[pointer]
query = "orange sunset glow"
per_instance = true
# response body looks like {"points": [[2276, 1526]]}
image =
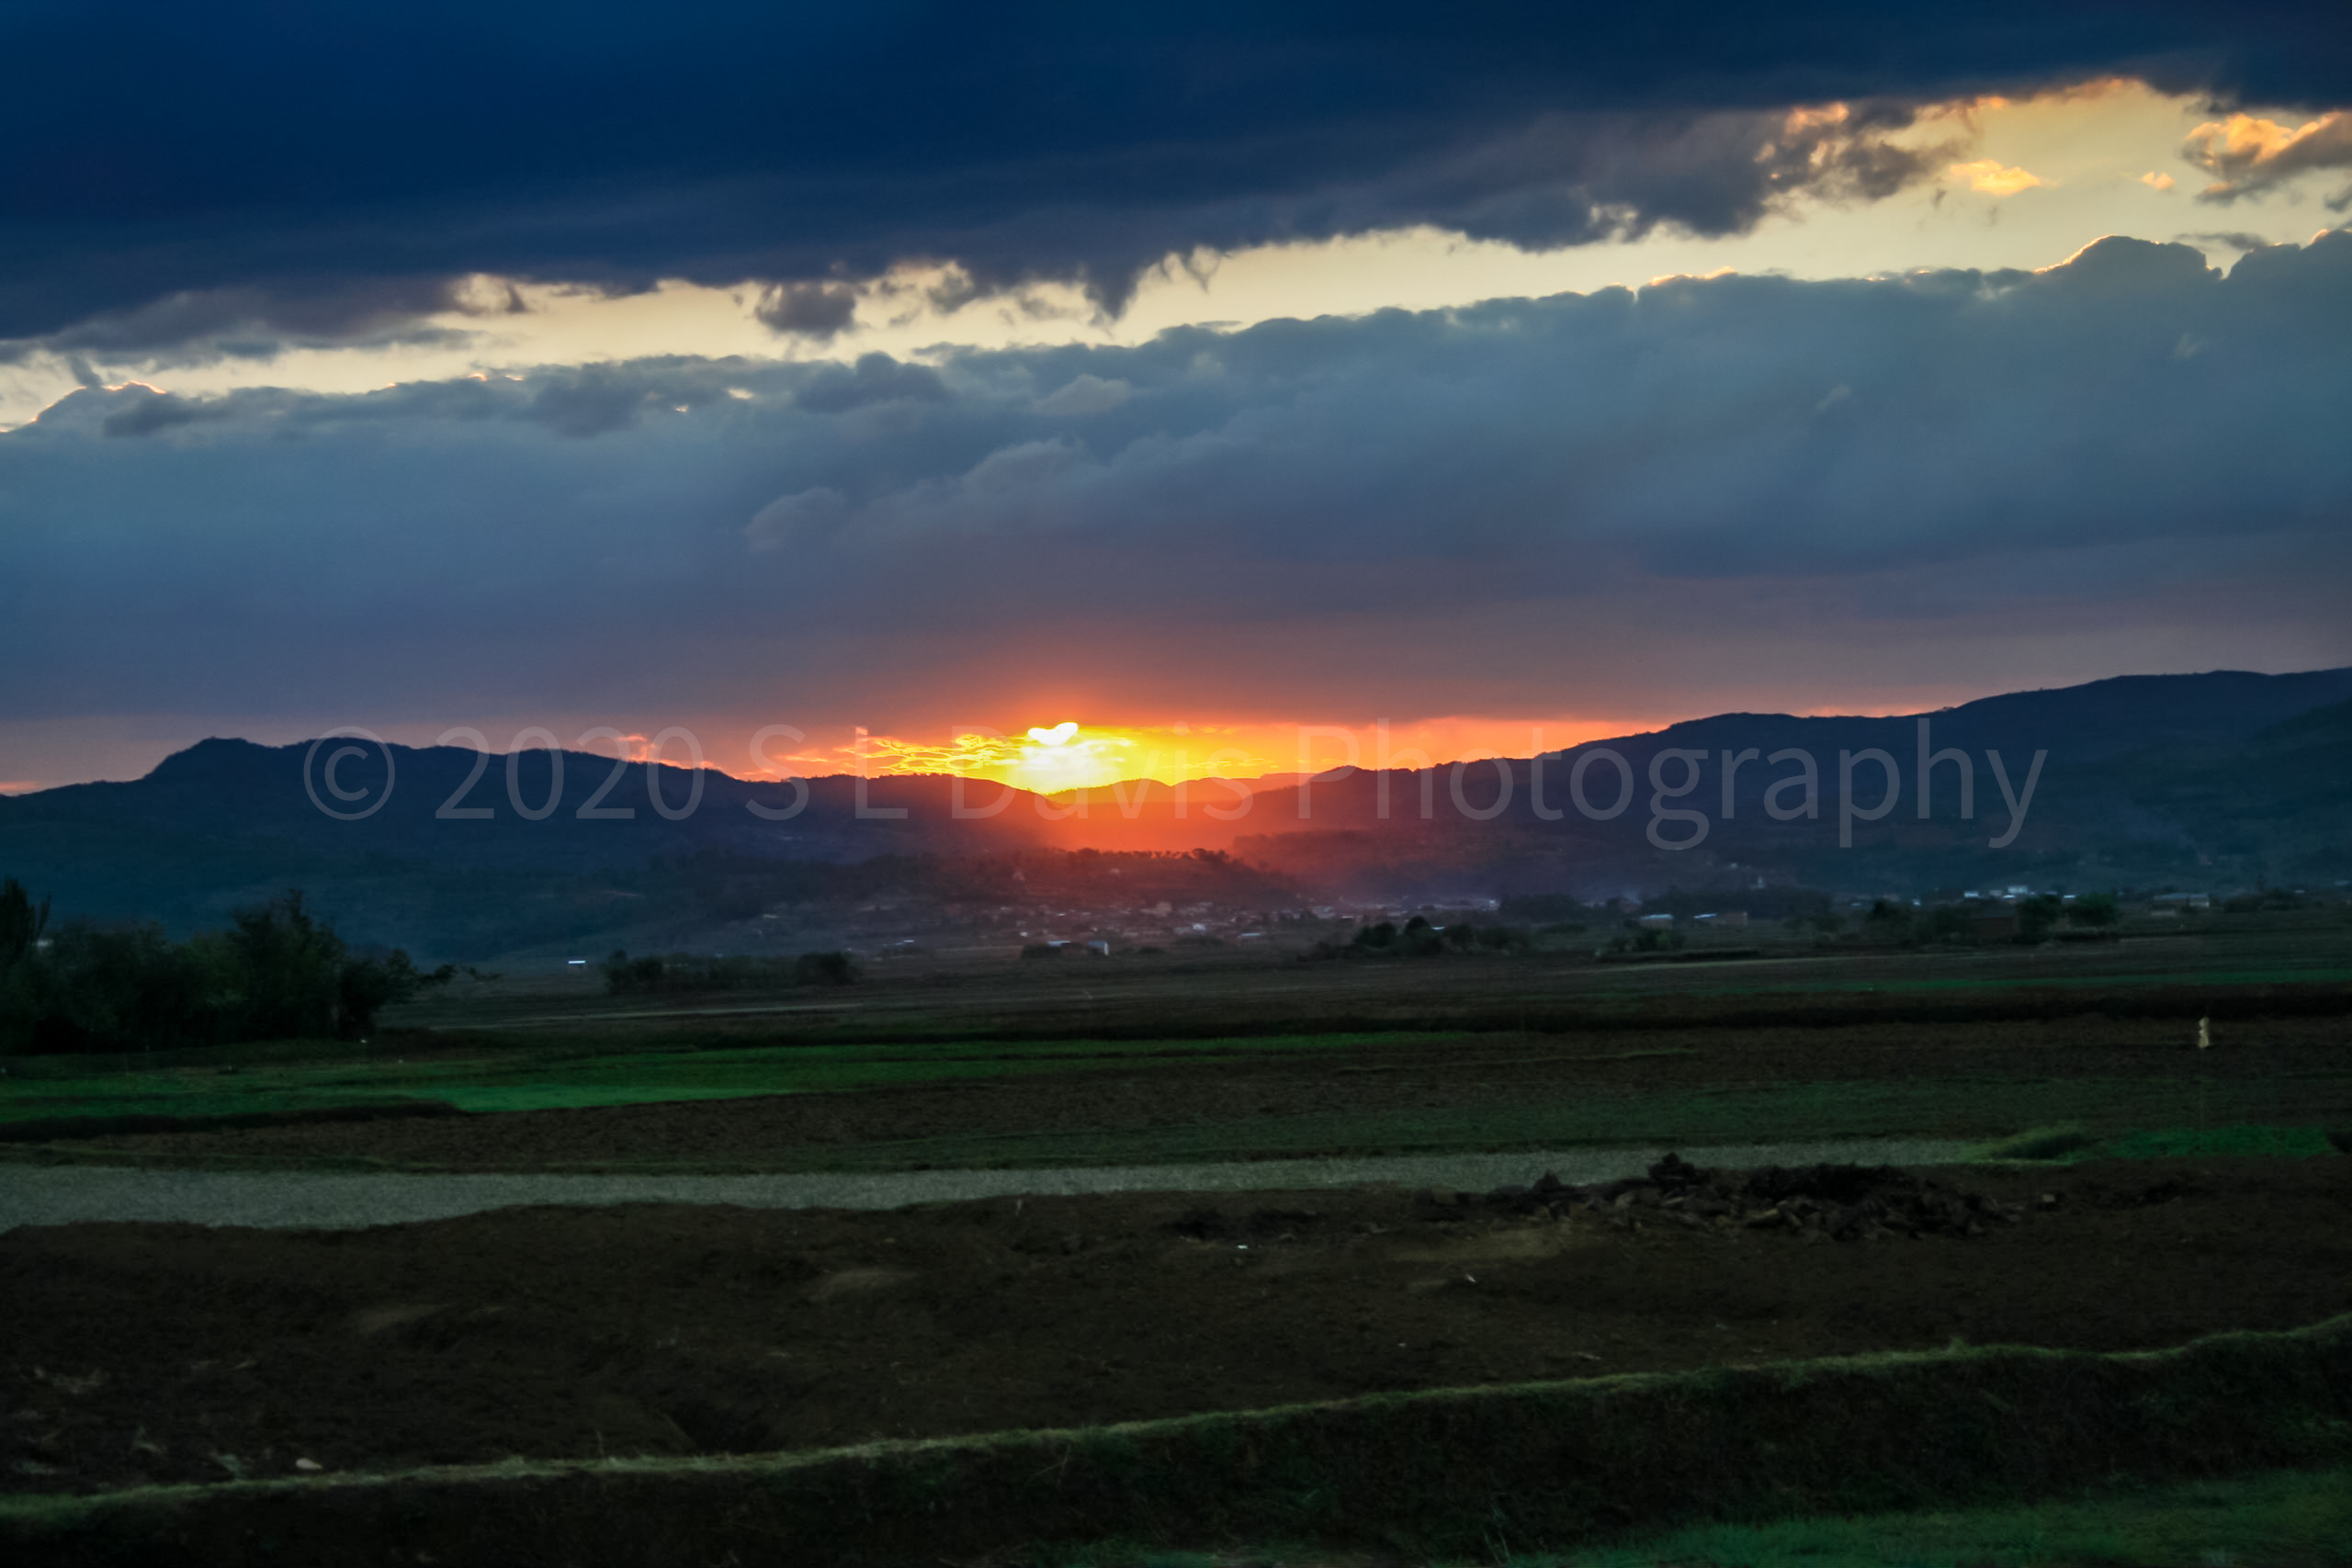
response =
{"points": [[1069, 754]]}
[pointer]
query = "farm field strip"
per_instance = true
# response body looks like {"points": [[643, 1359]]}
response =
{"points": [[58, 1195], [915, 997], [1127, 1123], [1299, 1367], [570, 1078]]}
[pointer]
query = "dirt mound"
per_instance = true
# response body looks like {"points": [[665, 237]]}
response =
{"points": [[1833, 1203]]}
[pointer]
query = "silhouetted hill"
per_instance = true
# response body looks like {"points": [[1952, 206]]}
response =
{"points": [[228, 822], [2218, 781]]}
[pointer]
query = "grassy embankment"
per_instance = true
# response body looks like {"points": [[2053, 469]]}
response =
{"points": [[1485, 1474]]}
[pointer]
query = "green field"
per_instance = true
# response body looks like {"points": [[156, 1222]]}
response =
{"points": [[2144, 1117], [1512, 1053], [2298, 1519], [299, 1076], [2284, 1519]]}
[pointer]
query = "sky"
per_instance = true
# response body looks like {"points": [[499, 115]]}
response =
{"points": [[1058, 397]]}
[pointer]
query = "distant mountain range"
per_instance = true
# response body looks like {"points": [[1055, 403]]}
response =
{"points": [[2214, 781]]}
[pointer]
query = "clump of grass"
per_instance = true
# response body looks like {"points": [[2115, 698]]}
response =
{"points": [[2040, 1142], [2294, 1517], [2236, 1141]]}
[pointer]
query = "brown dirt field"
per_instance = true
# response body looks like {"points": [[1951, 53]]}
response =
{"points": [[1134, 1096], [141, 1352]]}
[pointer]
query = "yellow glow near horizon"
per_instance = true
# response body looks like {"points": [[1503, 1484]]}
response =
{"points": [[1068, 755]]}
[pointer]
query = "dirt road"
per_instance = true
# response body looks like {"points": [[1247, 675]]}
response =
{"points": [[272, 1199]]}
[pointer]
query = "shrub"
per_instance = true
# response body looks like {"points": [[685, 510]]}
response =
{"points": [[823, 969], [22, 923], [681, 972], [1888, 923], [2040, 1142], [1947, 922], [2036, 916], [2096, 910]]}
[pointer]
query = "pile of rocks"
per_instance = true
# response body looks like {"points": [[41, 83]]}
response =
{"points": [[1823, 1203]]}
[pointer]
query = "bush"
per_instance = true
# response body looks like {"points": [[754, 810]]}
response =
{"points": [[624, 975], [823, 969], [22, 923], [2040, 1142], [1888, 924], [1504, 938], [2037, 915], [2096, 910], [681, 972], [1947, 922]]}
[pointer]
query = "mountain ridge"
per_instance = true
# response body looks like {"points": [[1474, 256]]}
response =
{"points": [[2225, 778]]}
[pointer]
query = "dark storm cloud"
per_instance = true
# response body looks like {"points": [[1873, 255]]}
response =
{"points": [[818, 310], [1944, 445], [263, 164], [256, 321]]}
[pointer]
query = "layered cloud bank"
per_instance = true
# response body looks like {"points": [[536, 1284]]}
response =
{"points": [[242, 177], [1686, 495]]}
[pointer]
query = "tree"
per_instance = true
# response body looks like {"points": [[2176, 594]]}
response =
{"points": [[279, 972], [21, 922], [2096, 910], [2036, 916], [370, 985], [1887, 922], [288, 970]]}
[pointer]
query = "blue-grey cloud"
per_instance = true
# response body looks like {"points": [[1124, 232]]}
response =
{"points": [[1940, 449], [241, 176]]}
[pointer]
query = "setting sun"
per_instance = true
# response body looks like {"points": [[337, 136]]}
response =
{"points": [[1067, 755]]}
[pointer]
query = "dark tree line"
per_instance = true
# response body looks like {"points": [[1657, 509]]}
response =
{"points": [[678, 972], [279, 972]]}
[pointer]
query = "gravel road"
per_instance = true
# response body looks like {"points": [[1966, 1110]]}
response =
{"points": [[56, 1195]]}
